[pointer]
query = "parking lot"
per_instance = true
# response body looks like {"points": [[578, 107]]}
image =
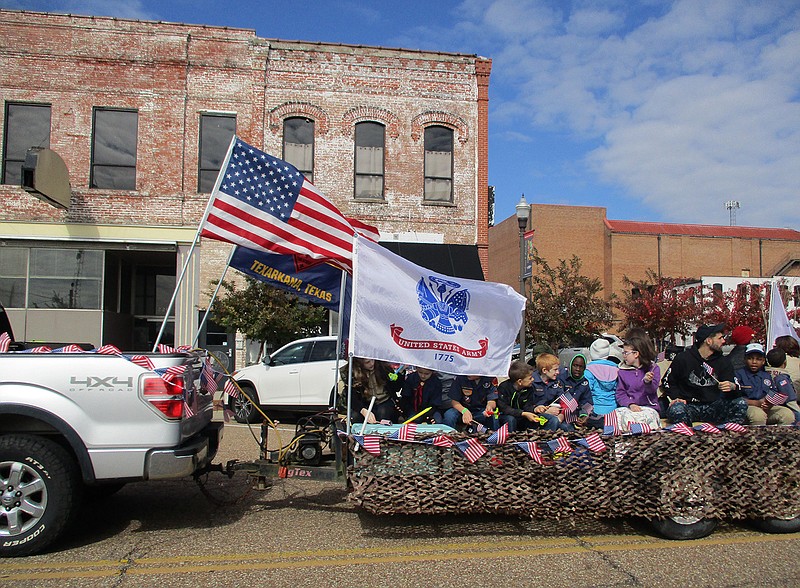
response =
{"points": [[174, 534]]}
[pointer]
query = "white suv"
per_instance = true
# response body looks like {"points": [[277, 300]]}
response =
{"points": [[299, 377]]}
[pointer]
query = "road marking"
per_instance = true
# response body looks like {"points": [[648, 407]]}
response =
{"points": [[417, 552]]}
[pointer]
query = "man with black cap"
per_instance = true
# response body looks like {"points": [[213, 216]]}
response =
{"points": [[700, 382]]}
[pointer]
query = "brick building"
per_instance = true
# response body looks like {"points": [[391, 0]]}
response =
{"points": [[142, 113], [612, 249]]}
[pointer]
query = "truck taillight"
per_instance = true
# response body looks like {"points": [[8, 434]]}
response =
{"points": [[165, 397]]}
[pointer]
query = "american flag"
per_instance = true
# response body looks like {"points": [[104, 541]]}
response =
{"points": [[532, 449], [231, 389], [479, 428], [72, 348], [560, 445], [440, 441], [594, 442], [681, 428], [568, 402], [499, 436], [187, 410], [108, 350], [404, 433], [735, 427], [40, 349], [472, 449], [5, 342], [706, 428], [710, 371], [208, 379], [776, 398], [170, 374], [161, 348], [141, 360], [370, 443], [639, 428], [265, 203], [610, 424]]}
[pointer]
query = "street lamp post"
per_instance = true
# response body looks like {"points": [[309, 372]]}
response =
{"points": [[523, 213]]}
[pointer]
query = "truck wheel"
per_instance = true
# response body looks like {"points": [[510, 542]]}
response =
{"points": [[685, 494], [681, 528], [243, 410], [41, 493], [778, 525]]}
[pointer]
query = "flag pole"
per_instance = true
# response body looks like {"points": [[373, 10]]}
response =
{"points": [[213, 298], [194, 243], [350, 334], [339, 336]]}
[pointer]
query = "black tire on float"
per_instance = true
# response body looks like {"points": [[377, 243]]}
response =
{"points": [[772, 525], [41, 493], [242, 409], [683, 528]]}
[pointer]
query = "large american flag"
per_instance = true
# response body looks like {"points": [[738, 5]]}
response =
{"points": [[265, 203]]}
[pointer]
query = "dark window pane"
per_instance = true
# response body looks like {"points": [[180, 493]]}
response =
{"points": [[215, 137], [27, 125], [114, 149], [323, 351], [154, 289], [114, 178], [293, 354], [369, 134], [438, 139], [298, 130]]}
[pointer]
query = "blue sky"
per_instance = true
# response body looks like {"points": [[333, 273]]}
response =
{"points": [[660, 111]]}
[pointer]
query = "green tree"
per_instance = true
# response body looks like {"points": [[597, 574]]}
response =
{"points": [[563, 305], [265, 313]]}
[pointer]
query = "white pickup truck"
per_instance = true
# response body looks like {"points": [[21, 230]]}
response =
{"points": [[78, 425]]}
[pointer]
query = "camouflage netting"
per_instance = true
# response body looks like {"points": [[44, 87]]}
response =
{"points": [[725, 475]]}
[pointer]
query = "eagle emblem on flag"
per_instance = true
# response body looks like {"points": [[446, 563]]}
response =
{"points": [[443, 304]]}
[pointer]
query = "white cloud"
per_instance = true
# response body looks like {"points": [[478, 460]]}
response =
{"points": [[694, 105]]}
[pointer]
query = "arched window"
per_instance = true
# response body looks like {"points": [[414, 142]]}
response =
{"points": [[438, 164], [370, 143], [298, 145]]}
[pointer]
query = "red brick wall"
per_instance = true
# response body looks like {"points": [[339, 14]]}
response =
{"points": [[171, 73]]}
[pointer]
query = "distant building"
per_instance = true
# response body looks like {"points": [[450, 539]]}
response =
{"points": [[142, 113], [612, 249]]}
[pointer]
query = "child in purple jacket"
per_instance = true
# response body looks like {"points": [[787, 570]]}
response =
{"points": [[638, 380]]}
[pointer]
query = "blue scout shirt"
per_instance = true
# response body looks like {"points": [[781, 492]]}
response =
{"points": [[473, 394]]}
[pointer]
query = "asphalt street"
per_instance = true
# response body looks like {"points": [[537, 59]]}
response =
{"points": [[306, 533]]}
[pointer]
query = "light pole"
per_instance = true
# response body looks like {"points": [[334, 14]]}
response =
{"points": [[523, 213]]}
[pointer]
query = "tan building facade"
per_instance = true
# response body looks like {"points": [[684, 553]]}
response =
{"points": [[612, 249], [137, 109]]}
